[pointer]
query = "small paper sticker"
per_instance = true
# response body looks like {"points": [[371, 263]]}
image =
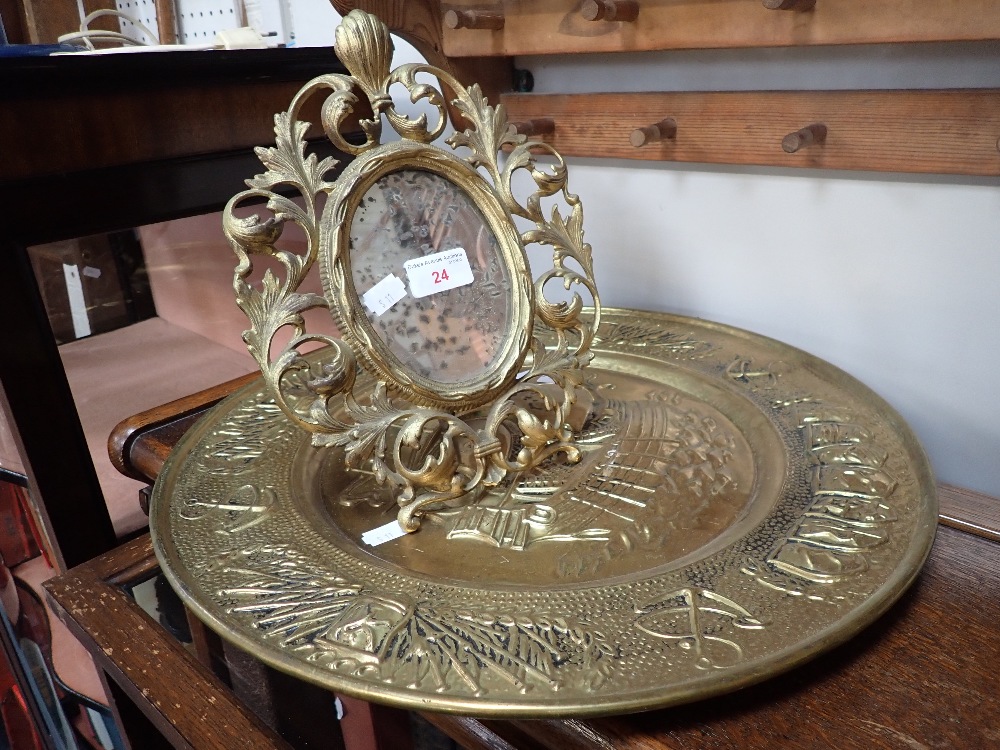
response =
{"points": [[383, 534], [438, 272], [77, 303], [384, 294]]}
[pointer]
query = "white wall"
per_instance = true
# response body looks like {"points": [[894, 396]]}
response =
{"points": [[893, 281], [894, 278], [315, 21]]}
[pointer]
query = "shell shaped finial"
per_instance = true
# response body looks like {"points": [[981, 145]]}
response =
{"points": [[363, 44]]}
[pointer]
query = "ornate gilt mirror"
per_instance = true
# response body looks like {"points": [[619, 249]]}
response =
{"points": [[439, 385]]}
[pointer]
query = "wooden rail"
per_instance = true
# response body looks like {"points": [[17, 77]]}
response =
{"points": [[924, 131], [560, 26]]}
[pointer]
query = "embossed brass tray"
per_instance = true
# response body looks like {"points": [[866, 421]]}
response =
{"points": [[740, 506]]}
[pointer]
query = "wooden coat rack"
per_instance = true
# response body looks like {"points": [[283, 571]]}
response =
{"points": [[575, 26], [928, 131]]}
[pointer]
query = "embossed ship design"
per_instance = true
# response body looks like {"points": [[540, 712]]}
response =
{"points": [[657, 475]]}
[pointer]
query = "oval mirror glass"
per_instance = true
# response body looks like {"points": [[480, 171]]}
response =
{"points": [[430, 274]]}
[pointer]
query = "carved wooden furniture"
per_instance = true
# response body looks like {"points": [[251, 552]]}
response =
{"points": [[926, 674], [117, 162], [136, 645]]}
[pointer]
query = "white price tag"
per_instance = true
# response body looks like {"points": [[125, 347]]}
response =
{"points": [[384, 294], [77, 303], [383, 534], [439, 272]]}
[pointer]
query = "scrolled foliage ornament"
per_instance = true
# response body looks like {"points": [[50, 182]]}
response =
{"points": [[440, 387]]}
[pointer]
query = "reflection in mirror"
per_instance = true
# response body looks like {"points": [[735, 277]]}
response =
{"points": [[429, 271]]}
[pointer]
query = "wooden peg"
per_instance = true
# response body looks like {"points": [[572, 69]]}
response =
{"points": [[610, 10], [661, 131], [535, 127], [797, 5], [815, 133], [474, 19]]}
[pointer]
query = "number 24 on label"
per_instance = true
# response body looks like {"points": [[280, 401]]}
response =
{"points": [[440, 276]]}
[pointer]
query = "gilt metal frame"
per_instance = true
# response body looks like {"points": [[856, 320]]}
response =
{"points": [[412, 432]]}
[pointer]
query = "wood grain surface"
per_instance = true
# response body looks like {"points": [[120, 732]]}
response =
{"points": [[143, 459], [166, 21], [928, 131], [557, 26], [970, 511], [47, 20], [216, 118], [181, 698]]}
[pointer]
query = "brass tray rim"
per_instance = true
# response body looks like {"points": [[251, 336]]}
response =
{"points": [[734, 678]]}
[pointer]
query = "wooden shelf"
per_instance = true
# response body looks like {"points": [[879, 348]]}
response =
{"points": [[949, 132], [558, 26], [90, 112]]}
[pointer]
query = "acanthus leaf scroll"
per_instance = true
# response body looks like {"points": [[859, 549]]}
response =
{"points": [[432, 445]]}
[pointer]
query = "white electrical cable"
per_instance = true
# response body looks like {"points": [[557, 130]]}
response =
{"points": [[91, 36], [88, 36], [153, 38]]}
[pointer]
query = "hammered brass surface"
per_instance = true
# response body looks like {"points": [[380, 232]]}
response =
{"points": [[739, 507], [589, 522]]}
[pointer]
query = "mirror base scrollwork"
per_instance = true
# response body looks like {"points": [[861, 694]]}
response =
{"points": [[438, 394]]}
